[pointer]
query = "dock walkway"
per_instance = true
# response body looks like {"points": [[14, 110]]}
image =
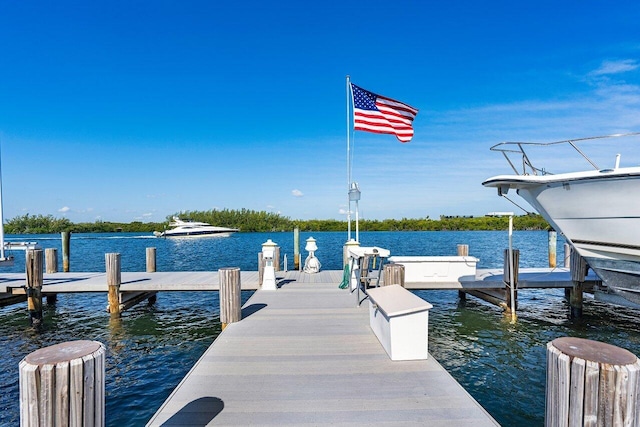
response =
{"points": [[305, 355], [71, 282]]}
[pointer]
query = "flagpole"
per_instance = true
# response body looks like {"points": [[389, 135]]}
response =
{"points": [[348, 163], [2, 254]]}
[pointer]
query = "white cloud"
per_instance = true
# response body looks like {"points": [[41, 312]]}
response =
{"points": [[297, 193], [615, 67], [64, 209]]}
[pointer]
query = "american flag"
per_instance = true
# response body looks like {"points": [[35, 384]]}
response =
{"points": [[375, 113]]}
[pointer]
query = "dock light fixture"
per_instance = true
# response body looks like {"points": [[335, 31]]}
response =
{"points": [[311, 264], [354, 196], [269, 272]]}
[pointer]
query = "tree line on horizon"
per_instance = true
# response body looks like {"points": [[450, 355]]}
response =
{"points": [[261, 221]]}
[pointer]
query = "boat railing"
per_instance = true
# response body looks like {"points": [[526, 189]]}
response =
{"points": [[516, 153]]}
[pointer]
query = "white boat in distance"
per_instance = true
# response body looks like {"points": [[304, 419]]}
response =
{"points": [[597, 210], [182, 228]]}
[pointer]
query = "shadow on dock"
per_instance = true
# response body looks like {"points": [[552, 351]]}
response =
{"points": [[199, 412], [252, 309]]}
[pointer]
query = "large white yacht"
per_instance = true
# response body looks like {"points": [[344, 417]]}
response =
{"points": [[182, 228], [597, 210]]}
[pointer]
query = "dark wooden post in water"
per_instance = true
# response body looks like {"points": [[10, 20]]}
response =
{"points": [[230, 293], [151, 260], [590, 383], [112, 262], [393, 274], [34, 266], [66, 244], [579, 269], [63, 385], [507, 276]]}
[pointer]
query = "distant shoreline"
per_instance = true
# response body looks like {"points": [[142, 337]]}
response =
{"points": [[252, 221]]}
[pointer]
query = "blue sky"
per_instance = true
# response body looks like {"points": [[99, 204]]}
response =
{"points": [[123, 111]]}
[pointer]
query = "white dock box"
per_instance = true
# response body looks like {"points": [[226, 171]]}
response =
{"points": [[400, 320], [434, 269]]}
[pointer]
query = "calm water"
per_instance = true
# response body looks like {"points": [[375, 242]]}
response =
{"points": [[152, 347]]}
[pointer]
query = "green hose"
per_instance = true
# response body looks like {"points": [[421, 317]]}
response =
{"points": [[345, 278]]}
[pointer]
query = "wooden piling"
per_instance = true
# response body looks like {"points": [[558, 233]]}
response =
{"points": [[567, 255], [35, 279], [66, 250], [51, 267], [296, 249], [506, 277], [579, 269], [393, 274], [230, 295], [590, 383], [63, 385], [51, 260], [553, 239], [112, 262], [260, 268], [463, 250], [151, 260], [276, 259]]}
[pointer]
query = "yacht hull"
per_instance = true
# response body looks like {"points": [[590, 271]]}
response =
{"points": [[194, 229], [598, 212]]}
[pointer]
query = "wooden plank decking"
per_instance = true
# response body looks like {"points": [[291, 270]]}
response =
{"points": [[208, 281], [131, 281], [305, 355]]}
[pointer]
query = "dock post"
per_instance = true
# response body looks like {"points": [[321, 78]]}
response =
{"points": [[276, 259], [579, 269], [114, 278], [260, 268], [590, 383], [51, 266], [230, 293], [296, 249], [567, 255], [553, 239], [33, 263], [66, 245], [51, 260], [393, 274], [463, 250], [507, 276], [63, 384], [151, 260]]}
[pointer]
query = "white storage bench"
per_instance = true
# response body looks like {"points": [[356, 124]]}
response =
{"points": [[400, 320], [434, 269]]}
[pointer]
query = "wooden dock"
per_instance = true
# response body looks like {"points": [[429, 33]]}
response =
{"points": [[73, 282], [305, 355]]}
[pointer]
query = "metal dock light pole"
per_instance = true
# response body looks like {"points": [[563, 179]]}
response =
{"points": [[354, 196], [509, 264], [511, 278]]}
